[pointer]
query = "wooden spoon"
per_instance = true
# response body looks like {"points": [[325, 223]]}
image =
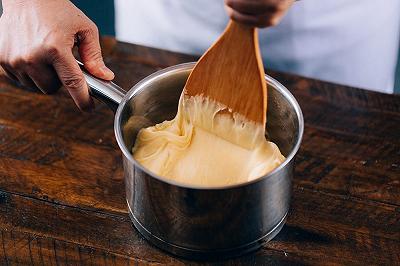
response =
{"points": [[231, 72]]}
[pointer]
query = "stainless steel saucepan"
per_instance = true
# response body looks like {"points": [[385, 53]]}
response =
{"points": [[201, 222]]}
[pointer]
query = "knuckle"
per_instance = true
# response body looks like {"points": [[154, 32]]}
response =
{"points": [[269, 22], [92, 29], [74, 82], [281, 6], [25, 60], [52, 50], [274, 21], [52, 45], [3, 58], [29, 59], [230, 3], [231, 14], [15, 62]]}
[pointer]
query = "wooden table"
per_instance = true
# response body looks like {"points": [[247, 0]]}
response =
{"points": [[62, 195]]}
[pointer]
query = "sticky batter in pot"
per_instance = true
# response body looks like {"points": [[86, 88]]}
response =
{"points": [[206, 146]]}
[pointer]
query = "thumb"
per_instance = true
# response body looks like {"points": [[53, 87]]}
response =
{"points": [[90, 52]]}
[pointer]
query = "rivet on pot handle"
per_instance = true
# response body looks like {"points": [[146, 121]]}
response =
{"points": [[105, 91]]}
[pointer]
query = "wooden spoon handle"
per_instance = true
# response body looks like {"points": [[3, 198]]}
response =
{"points": [[246, 37], [231, 72]]}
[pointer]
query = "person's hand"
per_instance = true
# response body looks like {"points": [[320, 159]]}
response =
{"points": [[258, 13], [36, 41]]}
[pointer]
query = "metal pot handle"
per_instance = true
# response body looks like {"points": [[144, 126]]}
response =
{"points": [[105, 91]]}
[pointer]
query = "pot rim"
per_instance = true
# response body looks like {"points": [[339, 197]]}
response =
{"points": [[186, 66]]}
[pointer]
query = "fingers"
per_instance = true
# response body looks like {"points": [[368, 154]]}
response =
{"points": [[19, 76], [90, 52], [26, 81], [40, 76], [45, 78], [72, 78], [249, 7], [263, 20], [258, 13], [9, 73]]}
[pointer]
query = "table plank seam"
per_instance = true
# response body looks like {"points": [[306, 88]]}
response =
{"points": [[298, 187], [345, 229], [118, 254], [120, 217], [18, 126], [347, 197], [127, 219], [314, 127], [300, 95], [266, 246], [345, 133]]}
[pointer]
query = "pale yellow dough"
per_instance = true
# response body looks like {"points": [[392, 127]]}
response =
{"points": [[202, 147]]}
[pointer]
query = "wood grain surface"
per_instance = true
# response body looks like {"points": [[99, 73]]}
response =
{"points": [[62, 197]]}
